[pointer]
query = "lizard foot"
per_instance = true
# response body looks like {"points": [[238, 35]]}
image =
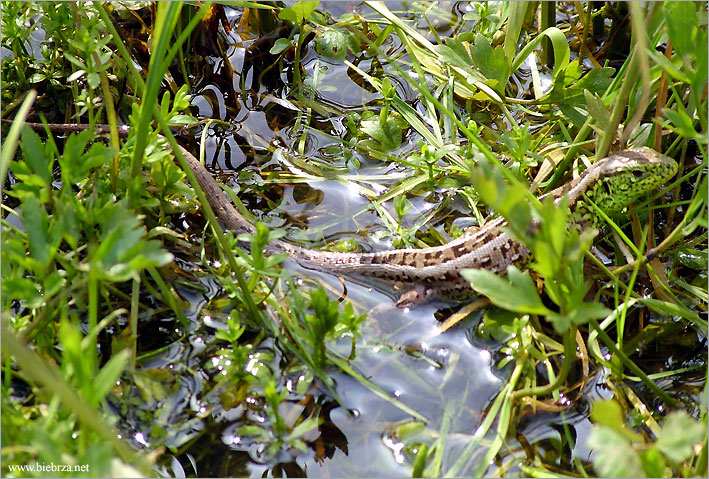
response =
{"points": [[413, 297]]}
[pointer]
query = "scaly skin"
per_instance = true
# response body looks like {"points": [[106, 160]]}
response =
{"points": [[612, 183]]}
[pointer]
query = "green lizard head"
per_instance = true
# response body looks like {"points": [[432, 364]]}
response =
{"points": [[628, 175]]}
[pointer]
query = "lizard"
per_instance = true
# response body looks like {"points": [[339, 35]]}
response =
{"points": [[613, 183]]}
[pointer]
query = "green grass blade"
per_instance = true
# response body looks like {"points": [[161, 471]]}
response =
{"points": [[9, 145], [347, 369], [514, 27], [561, 49], [167, 16]]}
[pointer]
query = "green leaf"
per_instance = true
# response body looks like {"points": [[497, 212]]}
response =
{"points": [[559, 43], [180, 120], [665, 307], [681, 20], [609, 414], [303, 428], [388, 134], [454, 53], [76, 163], [108, 375], [299, 12], [654, 464], [596, 81], [492, 62], [588, 311], [75, 60], [123, 249], [420, 461], [326, 313], [569, 75], [22, 289], [510, 201], [52, 283], [36, 222], [692, 258], [682, 122], [93, 79], [597, 109], [613, 455], [701, 71], [280, 45], [515, 293], [673, 68], [35, 155], [66, 212], [678, 436], [517, 141], [257, 431], [74, 357], [182, 100], [515, 21]]}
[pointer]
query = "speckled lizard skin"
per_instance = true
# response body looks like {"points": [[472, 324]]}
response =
{"points": [[613, 183]]}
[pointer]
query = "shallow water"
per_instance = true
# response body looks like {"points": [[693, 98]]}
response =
{"points": [[400, 350], [447, 379]]}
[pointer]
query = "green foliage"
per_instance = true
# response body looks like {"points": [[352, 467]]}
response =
{"points": [[491, 62], [518, 141], [77, 238], [455, 53], [300, 12], [516, 293], [385, 135], [123, 250], [89, 40], [621, 452], [238, 354], [91, 219], [324, 322], [557, 249], [258, 263], [92, 387], [279, 46], [52, 437]]}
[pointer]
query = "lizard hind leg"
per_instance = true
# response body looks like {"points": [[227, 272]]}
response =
{"points": [[419, 294]]}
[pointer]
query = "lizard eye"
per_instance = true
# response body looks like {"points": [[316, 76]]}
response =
{"points": [[637, 174]]}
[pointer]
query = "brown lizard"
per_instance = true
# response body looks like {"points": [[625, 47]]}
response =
{"points": [[612, 183]]}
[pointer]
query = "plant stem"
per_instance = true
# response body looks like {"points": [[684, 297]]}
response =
{"points": [[219, 235], [548, 20], [619, 107], [631, 365], [569, 359], [111, 117], [134, 306], [93, 315]]}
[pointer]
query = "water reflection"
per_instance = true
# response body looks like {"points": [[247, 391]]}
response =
{"points": [[414, 372]]}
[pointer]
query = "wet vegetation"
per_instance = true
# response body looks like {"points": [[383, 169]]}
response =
{"points": [[140, 338]]}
